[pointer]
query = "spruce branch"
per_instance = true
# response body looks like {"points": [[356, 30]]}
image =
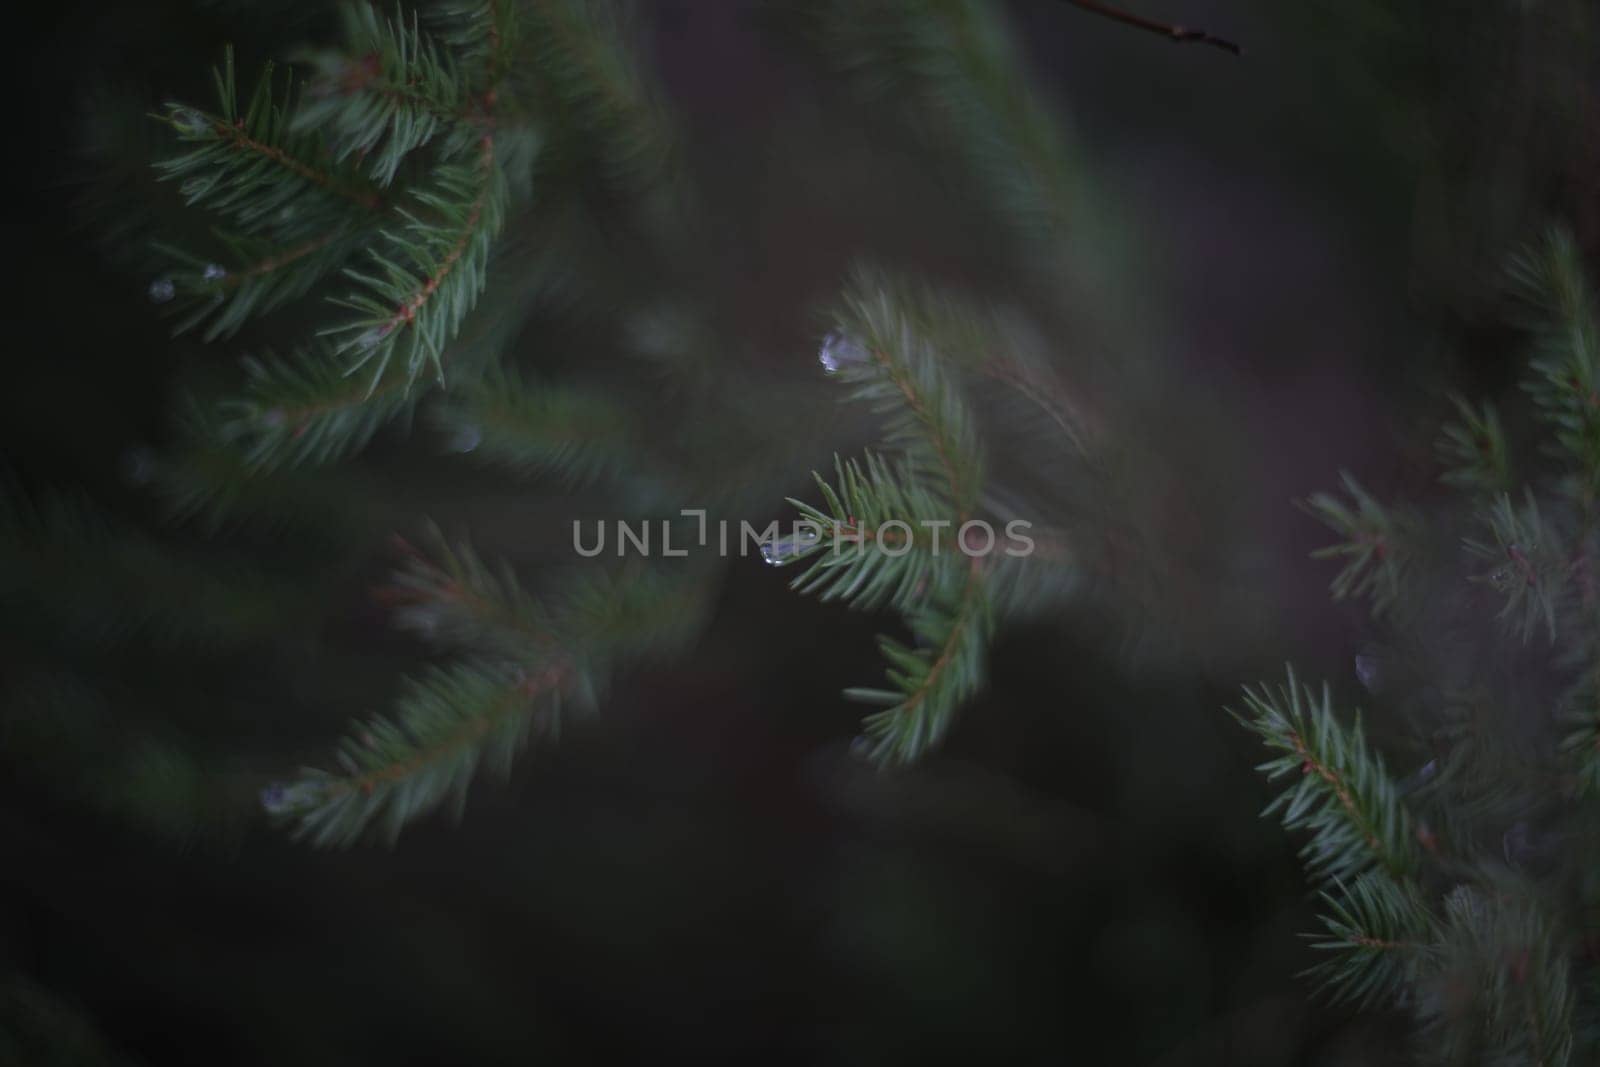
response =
{"points": [[1582, 744], [1043, 391], [1564, 321], [302, 409], [584, 68], [484, 33], [448, 596], [523, 662], [393, 769], [931, 682], [893, 530], [955, 71], [208, 481], [1343, 794], [262, 276], [1502, 990], [425, 276], [995, 343], [883, 540], [1530, 566], [1376, 547], [1474, 450], [889, 364], [1492, 975], [1379, 935], [253, 165], [391, 90], [576, 434]]}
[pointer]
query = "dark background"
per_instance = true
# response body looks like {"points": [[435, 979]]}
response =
{"points": [[702, 873]]}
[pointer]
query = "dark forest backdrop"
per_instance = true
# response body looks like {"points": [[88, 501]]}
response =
{"points": [[702, 872]]}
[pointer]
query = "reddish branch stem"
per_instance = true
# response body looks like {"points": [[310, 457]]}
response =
{"points": [[952, 639], [514, 700], [1311, 765], [235, 134], [915, 402], [281, 259], [407, 312]]}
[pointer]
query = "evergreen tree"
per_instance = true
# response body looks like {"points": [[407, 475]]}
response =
{"points": [[1464, 893], [384, 187], [448, 299], [403, 188]]}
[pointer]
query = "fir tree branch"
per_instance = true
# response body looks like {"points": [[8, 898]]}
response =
{"points": [[234, 135], [576, 434], [304, 409], [209, 478], [408, 310], [1474, 450], [955, 74], [1377, 545], [584, 68], [253, 164], [389, 92], [446, 724], [1043, 392], [1582, 744], [855, 554], [429, 273], [485, 33], [1564, 321], [930, 683], [1495, 977], [266, 276], [1497, 949], [524, 661], [888, 364], [1379, 933], [450, 597], [1343, 795], [894, 532], [1530, 566]]}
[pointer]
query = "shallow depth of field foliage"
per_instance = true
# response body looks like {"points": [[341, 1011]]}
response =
{"points": [[332, 742]]}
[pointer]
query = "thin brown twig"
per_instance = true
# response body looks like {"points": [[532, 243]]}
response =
{"points": [[1177, 34]]}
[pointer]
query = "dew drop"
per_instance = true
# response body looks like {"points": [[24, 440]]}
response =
{"points": [[281, 799], [466, 439], [138, 466], [1369, 669], [214, 272], [424, 622], [781, 550], [1502, 579], [1421, 777], [275, 798], [840, 350], [161, 290], [190, 120]]}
